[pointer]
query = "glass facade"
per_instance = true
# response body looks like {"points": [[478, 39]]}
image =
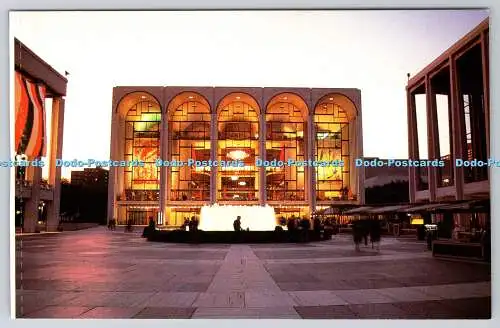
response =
{"points": [[142, 143], [331, 143], [449, 121], [420, 108], [189, 138], [179, 214], [238, 140], [440, 86], [472, 107], [234, 129], [285, 139]]}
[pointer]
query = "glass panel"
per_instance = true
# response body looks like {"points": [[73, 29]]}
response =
{"points": [[285, 140], [189, 139], [332, 143], [142, 143], [238, 130], [470, 80], [441, 88], [419, 99]]}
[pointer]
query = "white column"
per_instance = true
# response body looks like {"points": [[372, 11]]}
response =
{"points": [[359, 143], [112, 211], [163, 169], [57, 130], [354, 172], [458, 134], [31, 207], [432, 135], [213, 156], [458, 129], [262, 155], [412, 140], [311, 141], [120, 154], [486, 91]]}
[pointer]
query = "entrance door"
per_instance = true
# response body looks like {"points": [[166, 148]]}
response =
{"points": [[141, 217]]}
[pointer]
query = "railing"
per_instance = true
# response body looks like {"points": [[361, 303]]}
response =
{"points": [[196, 195], [337, 198], [23, 183], [238, 195], [277, 195], [45, 185], [141, 195]]}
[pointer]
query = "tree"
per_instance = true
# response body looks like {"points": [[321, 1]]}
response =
{"points": [[394, 192]]}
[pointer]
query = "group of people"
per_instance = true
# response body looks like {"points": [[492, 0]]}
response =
{"points": [[190, 224], [295, 223], [112, 224], [364, 228], [128, 226]]}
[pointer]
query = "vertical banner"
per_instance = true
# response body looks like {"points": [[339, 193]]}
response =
{"points": [[30, 130], [23, 115]]}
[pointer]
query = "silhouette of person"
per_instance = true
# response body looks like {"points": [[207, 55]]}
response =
{"points": [[237, 224]]}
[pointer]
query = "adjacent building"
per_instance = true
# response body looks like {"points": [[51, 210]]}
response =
{"points": [[242, 124], [37, 200], [449, 120]]}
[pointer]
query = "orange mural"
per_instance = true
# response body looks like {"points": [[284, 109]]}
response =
{"points": [[148, 155]]}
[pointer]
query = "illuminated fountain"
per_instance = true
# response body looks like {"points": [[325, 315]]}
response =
{"points": [[221, 217]]}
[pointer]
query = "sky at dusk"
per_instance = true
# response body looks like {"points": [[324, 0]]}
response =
{"points": [[369, 50]]}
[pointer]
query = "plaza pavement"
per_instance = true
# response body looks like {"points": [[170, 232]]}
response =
{"points": [[96, 273]]}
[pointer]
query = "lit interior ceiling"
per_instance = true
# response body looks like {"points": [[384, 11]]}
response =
{"points": [[289, 98], [185, 97], [238, 97], [134, 98], [340, 100]]}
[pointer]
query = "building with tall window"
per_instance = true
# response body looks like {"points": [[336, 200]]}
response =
{"points": [[449, 120], [37, 198], [222, 124]]}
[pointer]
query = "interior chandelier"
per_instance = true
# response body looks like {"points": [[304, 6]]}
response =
{"points": [[237, 155]]}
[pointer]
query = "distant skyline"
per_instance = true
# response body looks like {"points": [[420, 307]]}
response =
{"points": [[369, 50]]}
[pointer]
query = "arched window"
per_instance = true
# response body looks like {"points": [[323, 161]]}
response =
{"points": [[238, 139], [286, 118], [331, 143], [142, 143], [189, 139]]}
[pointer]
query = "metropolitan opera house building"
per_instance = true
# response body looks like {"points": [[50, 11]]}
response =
{"points": [[228, 124]]}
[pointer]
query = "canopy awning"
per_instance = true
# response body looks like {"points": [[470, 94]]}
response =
{"points": [[465, 206], [468, 206], [330, 211], [389, 209], [335, 210], [359, 210], [424, 208], [478, 206]]}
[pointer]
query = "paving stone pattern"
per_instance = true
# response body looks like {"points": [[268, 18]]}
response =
{"points": [[95, 273]]}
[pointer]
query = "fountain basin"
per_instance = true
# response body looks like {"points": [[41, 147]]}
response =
{"points": [[221, 217]]}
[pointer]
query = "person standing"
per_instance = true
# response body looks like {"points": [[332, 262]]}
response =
{"points": [[237, 224], [357, 234], [128, 227], [375, 234]]}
